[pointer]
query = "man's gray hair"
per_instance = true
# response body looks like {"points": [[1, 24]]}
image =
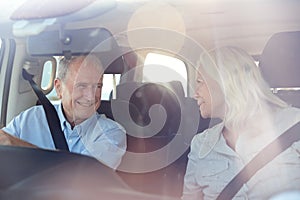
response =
{"points": [[65, 63]]}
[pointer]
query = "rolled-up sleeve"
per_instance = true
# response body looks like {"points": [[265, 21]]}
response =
{"points": [[191, 189]]}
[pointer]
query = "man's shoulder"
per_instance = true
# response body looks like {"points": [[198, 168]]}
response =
{"points": [[33, 111], [108, 123]]}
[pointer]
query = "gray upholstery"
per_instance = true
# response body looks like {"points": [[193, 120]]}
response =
{"points": [[280, 65], [141, 98], [280, 60], [182, 116]]}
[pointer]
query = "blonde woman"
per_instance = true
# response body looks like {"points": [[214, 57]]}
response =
{"points": [[229, 86]]}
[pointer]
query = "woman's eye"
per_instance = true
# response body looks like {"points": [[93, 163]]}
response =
{"points": [[100, 85]]}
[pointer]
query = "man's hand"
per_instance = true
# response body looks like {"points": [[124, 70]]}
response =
{"points": [[7, 139]]}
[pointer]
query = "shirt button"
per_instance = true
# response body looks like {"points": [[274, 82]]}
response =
{"points": [[70, 141]]}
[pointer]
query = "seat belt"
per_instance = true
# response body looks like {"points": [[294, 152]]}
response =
{"points": [[51, 114], [267, 154]]}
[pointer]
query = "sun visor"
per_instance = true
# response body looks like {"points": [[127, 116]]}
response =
{"points": [[76, 42], [55, 43]]}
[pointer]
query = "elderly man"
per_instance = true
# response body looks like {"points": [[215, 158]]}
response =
{"points": [[78, 85]]}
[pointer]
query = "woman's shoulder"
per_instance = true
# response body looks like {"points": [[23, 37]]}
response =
{"points": [[288, 116], [214, 129], [291, 111], [208, 138]]}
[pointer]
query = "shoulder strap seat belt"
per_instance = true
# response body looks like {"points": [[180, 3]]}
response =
{"points": [[260, 160], [51, 114]]}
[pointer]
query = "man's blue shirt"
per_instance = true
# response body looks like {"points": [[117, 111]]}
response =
{"points": [[97, 136]]}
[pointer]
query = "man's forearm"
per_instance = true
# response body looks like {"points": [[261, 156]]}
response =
{"points": [[7, 139]]}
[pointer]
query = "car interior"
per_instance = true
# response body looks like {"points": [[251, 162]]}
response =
{"points": [[160, 117], [279, 64]]}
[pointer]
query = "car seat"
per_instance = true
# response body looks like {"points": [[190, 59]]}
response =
{"points": [[141, 107], [280, 66]]}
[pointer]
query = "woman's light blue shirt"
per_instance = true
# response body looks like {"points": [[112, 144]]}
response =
{"points": [[212, 163]]}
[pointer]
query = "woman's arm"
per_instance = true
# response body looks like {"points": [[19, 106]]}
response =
{"points": [[191, 189]]}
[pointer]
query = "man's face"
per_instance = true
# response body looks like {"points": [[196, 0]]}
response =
{"points": [[80, 91]]}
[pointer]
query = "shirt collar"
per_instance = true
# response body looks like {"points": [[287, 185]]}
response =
{"points": [[86, 124], [64, 123], [214, 140], [61, 116], [211, 138]]}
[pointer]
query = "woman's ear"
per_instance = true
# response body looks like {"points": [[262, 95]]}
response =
{"points": [[58, 87]]}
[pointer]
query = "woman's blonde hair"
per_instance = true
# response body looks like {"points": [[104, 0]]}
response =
{"points": [[245, 90]]}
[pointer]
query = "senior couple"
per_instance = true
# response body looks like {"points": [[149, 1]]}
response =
{"points": [[229, 86]]}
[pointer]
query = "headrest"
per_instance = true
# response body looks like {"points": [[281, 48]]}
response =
{"points": [[114, 66], [144, 95], [280, 60], [155, 115], [175, 86]]}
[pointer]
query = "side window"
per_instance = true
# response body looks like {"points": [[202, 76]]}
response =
{"points": [[48, 76], [162, 68], [110, 81], [49, 72]]}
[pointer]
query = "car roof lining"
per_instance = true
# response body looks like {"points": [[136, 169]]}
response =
{"points": [[63, 11], [41, 9]]}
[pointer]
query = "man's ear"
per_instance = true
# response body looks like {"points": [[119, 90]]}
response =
{"points": [[58, 87]]}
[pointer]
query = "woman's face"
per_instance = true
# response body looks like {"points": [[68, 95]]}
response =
{"points": [[209, 96]]}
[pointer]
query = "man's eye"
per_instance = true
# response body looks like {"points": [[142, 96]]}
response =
{"points": [[81, 86], [97, 86]]}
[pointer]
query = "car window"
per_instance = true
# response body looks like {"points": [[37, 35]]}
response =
{"points": [[110, 81], [47, 80], [174, 67], [48, 75]]}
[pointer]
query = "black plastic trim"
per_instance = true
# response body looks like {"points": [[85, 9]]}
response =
{"points": [[7, 81]]}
